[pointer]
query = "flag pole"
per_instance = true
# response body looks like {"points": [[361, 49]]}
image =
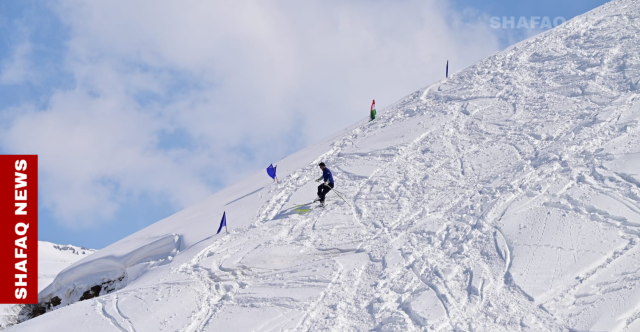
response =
{"points": [[447, 74]]}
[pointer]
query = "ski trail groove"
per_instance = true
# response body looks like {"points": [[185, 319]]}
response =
{"points": [[102, 308]]}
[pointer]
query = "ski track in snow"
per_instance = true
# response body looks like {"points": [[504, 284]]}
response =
{"points": [[497, 200], [465, 205], [101, 307]]}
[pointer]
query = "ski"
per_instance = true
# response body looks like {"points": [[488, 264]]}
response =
{"points": [[302, 208]]}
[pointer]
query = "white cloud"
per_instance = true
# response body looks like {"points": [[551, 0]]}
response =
{"points": [[17, 69], [233, 75]]}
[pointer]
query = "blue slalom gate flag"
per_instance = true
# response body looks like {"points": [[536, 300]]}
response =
{"points": [[223, 222], [447, 68], [271, 170]]}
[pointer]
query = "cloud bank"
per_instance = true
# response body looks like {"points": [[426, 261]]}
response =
{"points": [[177, 99]]}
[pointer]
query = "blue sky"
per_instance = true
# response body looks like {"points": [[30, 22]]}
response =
{"points": [[139, 110], [527, 8]]}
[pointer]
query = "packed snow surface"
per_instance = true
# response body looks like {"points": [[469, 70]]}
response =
{"points": [[52, 258], [506, 198]]}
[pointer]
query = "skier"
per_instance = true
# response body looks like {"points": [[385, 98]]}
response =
{"points": [[326, 186], [372, 114]]}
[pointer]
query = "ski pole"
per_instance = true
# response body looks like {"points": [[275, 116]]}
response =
{"points": [[343, 199], [338, 193]]}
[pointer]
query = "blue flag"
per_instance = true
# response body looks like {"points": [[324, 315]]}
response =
{"points": [[223, 222], [447, 68], [271, 170]]}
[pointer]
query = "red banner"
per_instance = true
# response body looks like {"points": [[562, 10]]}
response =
{"points": [[18, 229]]}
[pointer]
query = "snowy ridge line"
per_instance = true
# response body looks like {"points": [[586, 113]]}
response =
{"points": [[479, 204], [73, 281], [52, 258]]}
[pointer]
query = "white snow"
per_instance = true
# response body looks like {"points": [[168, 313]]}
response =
{"points": [[506, 198], [52, 258]]}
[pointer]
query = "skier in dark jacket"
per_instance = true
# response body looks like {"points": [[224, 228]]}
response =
{"points": [[327, 185]]}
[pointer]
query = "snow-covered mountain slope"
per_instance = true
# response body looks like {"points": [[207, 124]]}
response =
{"points": [[506, 198], [52, 258]]}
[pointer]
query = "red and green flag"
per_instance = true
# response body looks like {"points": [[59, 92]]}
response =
{"points": [[373, 110]]}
